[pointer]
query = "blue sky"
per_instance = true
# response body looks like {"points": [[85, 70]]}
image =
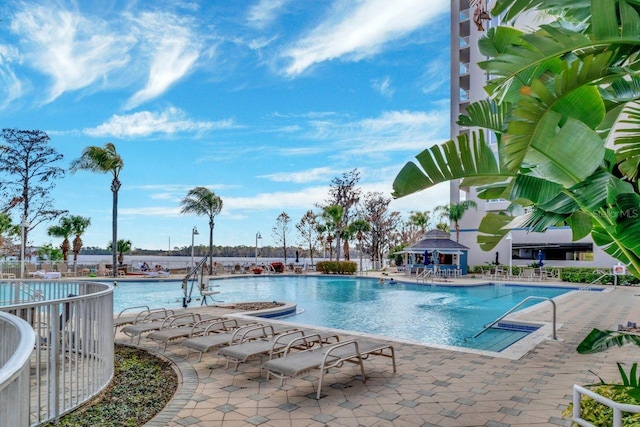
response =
{"points": [[262, 101]]}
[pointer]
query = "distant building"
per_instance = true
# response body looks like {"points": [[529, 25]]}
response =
{"points": [[467, 86]]}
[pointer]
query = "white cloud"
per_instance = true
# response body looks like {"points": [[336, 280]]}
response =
{"points": [[264, 12], [11, 87], [359, 29], [174, 51], [384, 86], [145, 123], [311, 175], [74, 51], [435, 76]]}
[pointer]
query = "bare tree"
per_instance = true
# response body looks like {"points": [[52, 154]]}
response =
{"points": [[375, 211], [28, 162], [308, 231], [343, 192], [280, 231]]}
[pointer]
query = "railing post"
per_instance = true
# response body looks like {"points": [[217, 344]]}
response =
{"points": [[53, 377]]}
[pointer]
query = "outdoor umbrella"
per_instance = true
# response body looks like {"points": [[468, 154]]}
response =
{"points": [[426, 258], [540, 263], [297, 257]]}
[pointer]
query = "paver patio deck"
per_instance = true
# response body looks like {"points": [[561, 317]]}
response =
{"points": [[432, 387]]}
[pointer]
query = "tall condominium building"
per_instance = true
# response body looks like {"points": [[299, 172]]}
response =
{"points": [[467, 86]]}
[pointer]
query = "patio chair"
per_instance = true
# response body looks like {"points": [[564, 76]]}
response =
{"points": [[274, 345], [249, 331], [150, 322], [63, 269], [183, 328], [131, 318], [290, 365]]}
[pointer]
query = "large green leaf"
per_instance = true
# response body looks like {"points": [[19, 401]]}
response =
{"points": [[628, 145], [581, 225], [486, 114], [598, 341], [512, 9], [536, 190], [460, 158], [548, 145], [491, 230]]}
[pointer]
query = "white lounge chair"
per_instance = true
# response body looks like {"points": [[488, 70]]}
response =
{"points": [[325, 357], [240, 353], [208, 341]]}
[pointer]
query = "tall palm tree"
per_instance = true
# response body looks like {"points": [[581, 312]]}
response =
{"points": [[62, 230], [332, 216], [104, 160], [455, 212], [123, 247], [202, 201], [358, 228], [79, 225]]}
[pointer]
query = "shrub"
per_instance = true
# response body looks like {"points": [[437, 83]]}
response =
{"points": [[337, 267], [602, 416], [590, 274]]}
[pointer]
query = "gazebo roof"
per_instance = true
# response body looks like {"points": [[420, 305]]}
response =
{"points": [[435, 240]]}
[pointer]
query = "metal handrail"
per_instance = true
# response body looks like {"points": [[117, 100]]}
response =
{"points": [[427, 272], [553, 303], [193, 276], [588, 286]]}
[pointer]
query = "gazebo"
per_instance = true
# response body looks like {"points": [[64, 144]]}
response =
{"points": [[435, 248]]}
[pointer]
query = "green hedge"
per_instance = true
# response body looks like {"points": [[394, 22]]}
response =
{"points": [[574, 274], [337, 267]]}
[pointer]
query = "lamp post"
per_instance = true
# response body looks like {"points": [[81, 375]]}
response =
{"points": [[510, 239], [193, 234], [23, 226], [258, 236]]}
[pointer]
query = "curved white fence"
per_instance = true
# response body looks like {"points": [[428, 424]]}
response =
{"points": [[71, 359], [18, 339]]}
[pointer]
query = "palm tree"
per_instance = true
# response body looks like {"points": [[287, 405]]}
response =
{"points": [[455, 212], [62, 230], [202, 201], [104, 160], [123, 247], [332, 216], [358, 228], [420, 220], [79, 225]]}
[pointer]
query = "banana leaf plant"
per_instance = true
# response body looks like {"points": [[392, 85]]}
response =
{"points": [[563, 108]]}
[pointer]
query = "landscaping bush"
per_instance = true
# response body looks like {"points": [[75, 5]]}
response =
{"points": [[337, 267], [602, 416], [590, 274]]}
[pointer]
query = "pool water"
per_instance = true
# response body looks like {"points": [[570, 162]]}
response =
{"points": [[429, 314]]}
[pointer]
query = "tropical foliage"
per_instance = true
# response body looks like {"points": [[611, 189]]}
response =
{"points": [[563, 110], [104, 160], [203, 202], [123, 247], [454, 212]]}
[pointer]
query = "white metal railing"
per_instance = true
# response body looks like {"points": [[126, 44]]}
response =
{"points": [[618, 408], [17, 338], [72, 359]]}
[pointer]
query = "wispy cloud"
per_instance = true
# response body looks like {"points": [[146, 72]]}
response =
{"points": [[264, 12], [383, 86], [355, 30], [312, 175], [10, 86], [145, 123], [174, 50], [436, 75], [74, 51]]}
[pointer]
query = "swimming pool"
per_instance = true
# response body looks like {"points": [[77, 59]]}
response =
{"points": [[446, 315]]}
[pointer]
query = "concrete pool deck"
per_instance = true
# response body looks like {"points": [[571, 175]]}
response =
{"points": [[432, 386]]}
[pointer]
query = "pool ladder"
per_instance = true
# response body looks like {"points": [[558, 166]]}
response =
{"points": [[553, 303]]}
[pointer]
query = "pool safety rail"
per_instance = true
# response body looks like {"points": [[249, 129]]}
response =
{"points": [[71, 359], [553, 303], [618, 408]]}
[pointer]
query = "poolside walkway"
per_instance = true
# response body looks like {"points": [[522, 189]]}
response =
{"points": [[432, 386]]}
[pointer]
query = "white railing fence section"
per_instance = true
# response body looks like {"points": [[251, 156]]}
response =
{"points": [[18, 339], [72, 358]]}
